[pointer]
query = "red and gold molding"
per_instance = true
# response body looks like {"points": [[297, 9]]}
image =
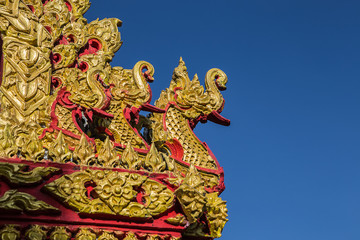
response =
{"points": [[78, 159]]}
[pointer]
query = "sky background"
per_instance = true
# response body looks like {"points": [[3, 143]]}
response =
{"points": [[291, 155]]}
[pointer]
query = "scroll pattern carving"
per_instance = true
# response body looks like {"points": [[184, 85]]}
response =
{"points": [[61, 101], [114, 193]]}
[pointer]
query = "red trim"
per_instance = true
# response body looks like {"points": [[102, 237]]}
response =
{"points": [[156, 225]]}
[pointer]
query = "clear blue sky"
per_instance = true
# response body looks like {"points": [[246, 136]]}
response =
{"points": [[291, 155]]}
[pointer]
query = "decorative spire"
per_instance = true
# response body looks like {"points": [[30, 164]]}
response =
{"points": [[153, 161], [130, 158], [60, 152], [83, 153], [107, 155]]}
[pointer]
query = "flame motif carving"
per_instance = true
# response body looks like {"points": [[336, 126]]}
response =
{"points": [[64, 106]]}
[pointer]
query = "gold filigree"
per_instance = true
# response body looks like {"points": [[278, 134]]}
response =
{"points": [[216, 214], [192, 103], [33, 148], [61, 100], [12, 200], [9, 232], [107, 155], [114, 193], [191, 195], [153, 237], [85, 234], [16, 174], [60, 233], [59, 151], [36, 232], [107, 236], [154, 161], [83, 153], [178, 220], [130, 236], [130, 158]]}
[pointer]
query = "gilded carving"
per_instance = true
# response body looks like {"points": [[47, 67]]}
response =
{"points": [[16, 174], [130, 236], [107, 236], [191, 195], [108, 156], [130, 158], [59, 151], [19, 202], [35, 232], [187, 103], [154, 161], [85, 234], [62, 101], [9, 232], [60, 233], [179, 219], [153, 237], [113, 193], [216, 214]]}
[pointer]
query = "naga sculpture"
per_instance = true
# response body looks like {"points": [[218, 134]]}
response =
{"points": [[75, 150]]}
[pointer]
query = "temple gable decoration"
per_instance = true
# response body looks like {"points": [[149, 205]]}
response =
{"points": [[78, 159]]}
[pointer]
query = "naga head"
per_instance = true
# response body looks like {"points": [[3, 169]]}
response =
{"points": [[195, 102]]}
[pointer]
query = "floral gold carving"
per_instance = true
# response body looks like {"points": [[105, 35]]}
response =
{"points": [[62, 101], [113, 193]]}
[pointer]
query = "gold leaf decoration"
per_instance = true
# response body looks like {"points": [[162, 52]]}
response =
{"points": [[191, 195], [83, 153], [216, 214], [107, 236], [85, 234], [178, 220], [16, 174], [154, 161], [15, 201], [7, 143], [174, 238], [9, 232], [153, 237], [59, 151], [130, 158], [107, 155], [130, 236], [36, 232], [60, 233], [62, 101], [33, 148], [114, 193]]}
